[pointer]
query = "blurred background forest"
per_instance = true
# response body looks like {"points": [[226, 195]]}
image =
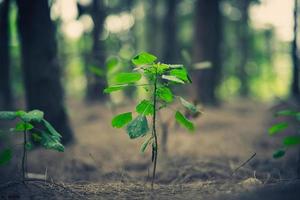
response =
{"points": [[248, 49]]}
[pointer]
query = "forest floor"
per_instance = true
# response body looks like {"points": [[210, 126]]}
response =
{"points": [[105, 164]]}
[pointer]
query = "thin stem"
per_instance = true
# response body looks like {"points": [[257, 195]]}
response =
{"points": [[154, 149], [24, 153]]}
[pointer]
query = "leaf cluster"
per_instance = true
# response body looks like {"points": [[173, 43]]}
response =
{"points": [[158, 79], [33, 123], [288, 141]]}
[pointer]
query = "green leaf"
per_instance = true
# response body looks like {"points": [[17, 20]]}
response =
{"points": [[191, 107], [121, 120], [182, 120], [172, 78], [20, 113], [97, 71], [144, 59], [34, 115], [146, 143], [7, 115], [51, 131], [138, 127], [23, 126], [161, 68], [5, 156], [124, 78], [278, 154], [114, 88], [286, 113], [291, 140], [50, 138], [165, 94], [111, 63], [145, 107], [180, 74], [276, 128], [50, 141]]}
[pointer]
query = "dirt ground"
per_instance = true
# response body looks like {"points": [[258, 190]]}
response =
{"points": [[105, 164]]}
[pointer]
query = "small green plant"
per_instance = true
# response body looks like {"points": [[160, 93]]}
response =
{"points": [[158, 79], [288, 141], [32, 125]]}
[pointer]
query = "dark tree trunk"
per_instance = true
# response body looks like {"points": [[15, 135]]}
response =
{"points": [[243, 46], [97, 84], [295, 87], [170, 41], [40, 64], [6, 99], [207, 40], [152, 33]]}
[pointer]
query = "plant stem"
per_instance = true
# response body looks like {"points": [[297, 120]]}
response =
{"points": [[24, 153], [154, 130]]}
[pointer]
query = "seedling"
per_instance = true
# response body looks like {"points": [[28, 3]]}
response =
{"points": [[31, 124], [158, 79], [288, 141]]}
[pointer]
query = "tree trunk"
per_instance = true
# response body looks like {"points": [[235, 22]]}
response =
{"points": [[97, 84], [6, 99], [207, 48], [295, 87], [243, 33], [152, 29], [40, 64], [170, 41]]}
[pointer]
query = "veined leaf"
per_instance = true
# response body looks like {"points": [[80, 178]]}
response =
{"points": [[180, 74], [145, 107], [50, 141], [291, 140], [124, 78], [276, 128], [23, 126], [144, 59], [5, 156], [172, 78], [114, 88], [50, 138], [34, 115], [138, 127], [278, 154], [182, 120], [191, 107], [51, 130], [7, 115], [121, 120], [165, 94]]}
